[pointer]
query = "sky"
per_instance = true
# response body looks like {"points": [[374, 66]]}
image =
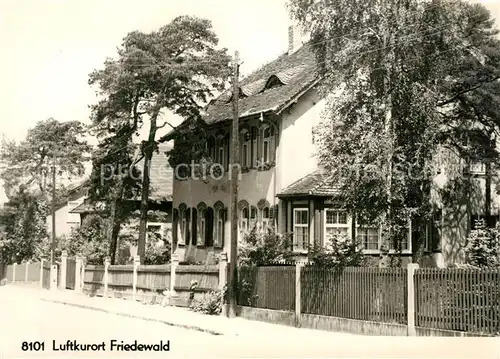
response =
{"points": [[50, 46]]}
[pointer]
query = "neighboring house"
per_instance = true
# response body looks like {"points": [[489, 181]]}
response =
{"points": [[66, 220], [160, 199], [281, 184]]}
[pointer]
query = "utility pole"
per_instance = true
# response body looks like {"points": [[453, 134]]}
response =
{"points": [[234, 168], [53, 244]]}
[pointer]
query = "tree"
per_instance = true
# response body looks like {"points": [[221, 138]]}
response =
{"points": [[114, 177], [175, 68], [30, 163], [412, 79], [50, 145], [483, 246]]}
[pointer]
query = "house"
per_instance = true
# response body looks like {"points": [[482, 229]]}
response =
{"points": [[281, 184], [159, 206], [66, 220]]}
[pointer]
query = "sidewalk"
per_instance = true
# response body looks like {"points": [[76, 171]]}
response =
{"points": [[173, 316]]}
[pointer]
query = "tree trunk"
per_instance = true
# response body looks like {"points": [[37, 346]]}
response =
{"points": [[148, 154], [115, 220]]}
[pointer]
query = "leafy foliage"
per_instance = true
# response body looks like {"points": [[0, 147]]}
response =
{"points": [[30, 161], [89, 240], [175, 68], [23, 229], [264, 248], [483, 246], [157, 252], [398, 92], [210, 303], [338, 253], [27, 184]]}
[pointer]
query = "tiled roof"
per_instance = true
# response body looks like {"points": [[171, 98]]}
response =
{"points": [[87, 207], [294, 73], [161, 174], [314, 184]]}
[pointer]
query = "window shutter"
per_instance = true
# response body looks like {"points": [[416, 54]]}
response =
{"points": [[175, 226], [194, 225], [272, 150]]}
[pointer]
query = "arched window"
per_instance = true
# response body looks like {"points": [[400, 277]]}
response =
{"points": [[244, 219], [264, 214], [244, 209], [182, 228], [202, 225], [220, 219], [265, 218], [268, 144], [245, 153], [253, 217]]}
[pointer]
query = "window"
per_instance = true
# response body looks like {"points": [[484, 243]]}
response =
{"points": [[244, 220], [219, 229], [368, 238], [405, 247], [220, 156], [203, 226], [336, 225], [253, 217], [265, 218], [255, 136], [245, 150], [300, 229], [266, 145], [183, 226]]}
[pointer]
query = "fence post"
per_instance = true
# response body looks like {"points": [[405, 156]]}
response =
{"points": [[78, 274], [14, 265], [222, 270], [26, 271], [298, 303], [412, 267], [137, 263], [64, 268], [53, 277], [223, 279], [173, 268], [107, 261], [41, 272]]}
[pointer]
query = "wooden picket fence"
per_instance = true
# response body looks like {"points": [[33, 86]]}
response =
{"points": [[453, 300], [270, 287], [131, 280], [370, 294], [465, 300]]}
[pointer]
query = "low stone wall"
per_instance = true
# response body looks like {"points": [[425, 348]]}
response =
{"points": [[267, 315], [344, 325]]}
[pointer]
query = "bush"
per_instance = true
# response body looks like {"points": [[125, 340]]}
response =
{"points": [[210, 303], [339, 253], [482, 248], [157, 252], [264, 248], [90, 241]]}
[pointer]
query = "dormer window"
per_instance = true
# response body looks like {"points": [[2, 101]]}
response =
{"points": [[273, 81]]}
